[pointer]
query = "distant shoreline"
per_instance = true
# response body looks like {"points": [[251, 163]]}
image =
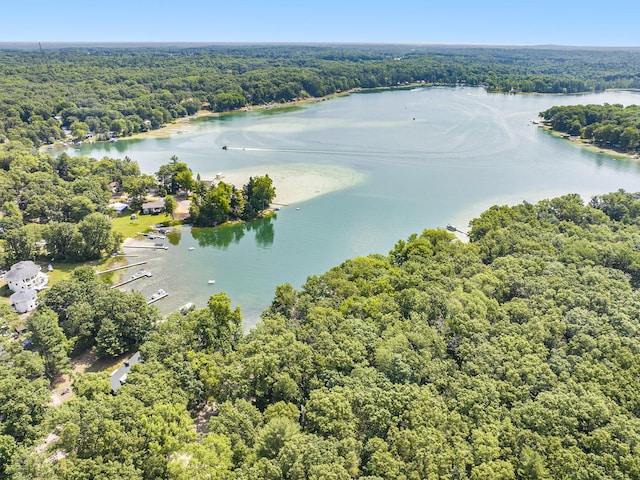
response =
{"points": [[185, 124], [586, 145]]}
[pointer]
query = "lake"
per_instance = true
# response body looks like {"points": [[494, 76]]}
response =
{"points": [[424, 158]]}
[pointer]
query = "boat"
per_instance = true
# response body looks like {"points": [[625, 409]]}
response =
{"points": [[224, 147], [184, 309], [191, 248], [158, 294], [452, 228], [211, 282]]}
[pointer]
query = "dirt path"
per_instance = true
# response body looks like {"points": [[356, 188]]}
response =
{"points": [[83, 363]]}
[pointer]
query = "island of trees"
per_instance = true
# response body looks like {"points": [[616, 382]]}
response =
{"points": [[608, 126]]}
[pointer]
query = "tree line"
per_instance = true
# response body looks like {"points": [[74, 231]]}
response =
{"points": [[513, 356], [612, 126], [112, 92]]}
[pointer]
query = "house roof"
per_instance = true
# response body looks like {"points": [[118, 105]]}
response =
{"points": [[22, 271], [152, 205], [23, 295], [119, 377], [119, 206]]}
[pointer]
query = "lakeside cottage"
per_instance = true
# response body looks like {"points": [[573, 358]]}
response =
{"points": [[26, 275], [119, 377], [156, 206]]}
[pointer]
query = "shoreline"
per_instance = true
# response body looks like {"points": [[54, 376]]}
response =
{"points": [[185, 124], [588, 146]]}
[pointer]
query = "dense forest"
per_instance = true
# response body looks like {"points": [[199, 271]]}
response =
{"points": [[51, 94], [612, 126], [513, 356]]}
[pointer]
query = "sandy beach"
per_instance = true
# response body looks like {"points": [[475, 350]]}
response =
{"points": [[296, 182], [184, 124]]}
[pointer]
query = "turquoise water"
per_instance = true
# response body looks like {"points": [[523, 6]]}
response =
{"points": [[429, 157]]}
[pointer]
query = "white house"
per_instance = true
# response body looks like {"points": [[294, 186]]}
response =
{"points": [[119, 377], [26, 275], [25, 300]]}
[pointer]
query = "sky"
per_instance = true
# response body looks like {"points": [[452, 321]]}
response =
{"points": [[495, 22]]}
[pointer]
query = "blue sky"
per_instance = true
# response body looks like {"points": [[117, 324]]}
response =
{"points": [[585, 23]]}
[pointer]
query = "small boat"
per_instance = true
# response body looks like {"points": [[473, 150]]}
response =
{"points": [[452, 228], [184, 309], [158, 295], [224, 147], [191, 248], [211, 282], [297, 208]]}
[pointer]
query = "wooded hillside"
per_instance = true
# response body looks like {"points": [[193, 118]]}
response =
{"points": [[515, 355]]}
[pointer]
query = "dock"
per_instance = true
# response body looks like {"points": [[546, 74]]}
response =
{"points": [[114, 269], [154, 247], [135, 276]]}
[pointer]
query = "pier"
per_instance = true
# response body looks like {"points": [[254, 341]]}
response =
{"points": [[135, 276], [154, 247], [114, 269]]}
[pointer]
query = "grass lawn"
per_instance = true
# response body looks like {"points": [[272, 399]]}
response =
{"points": [[143, 223]]}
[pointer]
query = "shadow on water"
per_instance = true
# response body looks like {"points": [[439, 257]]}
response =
{"points": [[219, 237], [223, 236], [264, 231], [174, 237]]}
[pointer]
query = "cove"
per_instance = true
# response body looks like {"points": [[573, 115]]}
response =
{"points": [[423, 158]]}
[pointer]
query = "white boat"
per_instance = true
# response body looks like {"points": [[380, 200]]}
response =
{"points": [[191, 248], [159, 294], [186, 307], [211, 282]]}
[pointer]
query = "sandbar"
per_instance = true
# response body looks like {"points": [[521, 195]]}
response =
{"points": [[295, 182]]}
